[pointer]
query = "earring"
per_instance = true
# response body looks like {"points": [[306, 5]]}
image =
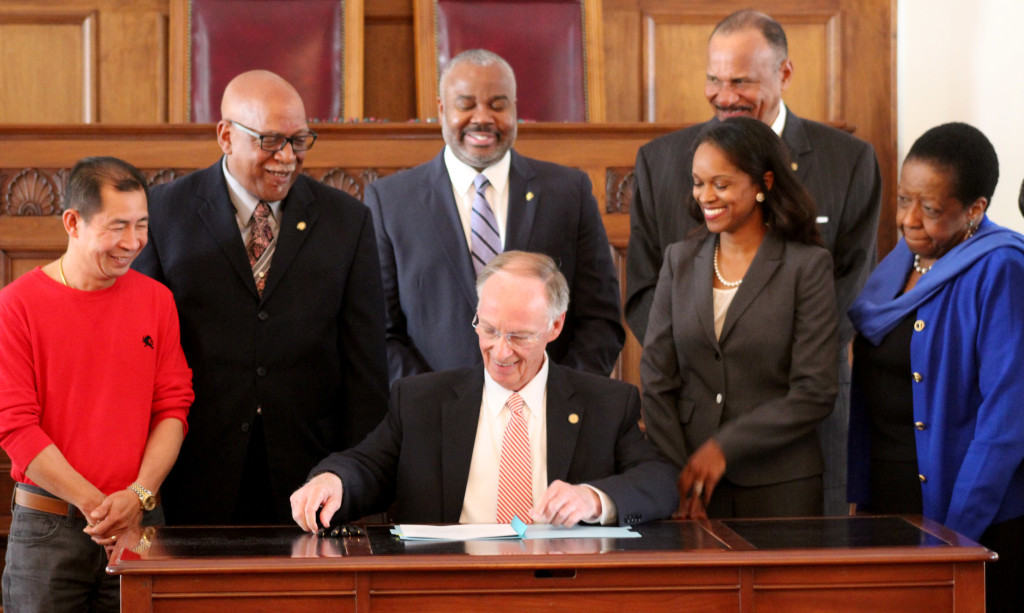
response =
{"points": [[970, 229], [759, 197]]}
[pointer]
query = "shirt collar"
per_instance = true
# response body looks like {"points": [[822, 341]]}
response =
{"points": [[533, 393], [780, 121], [245, 202], [462, 174]]}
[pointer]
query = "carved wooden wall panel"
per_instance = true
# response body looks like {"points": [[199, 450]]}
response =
{"points": [[49, 71]]}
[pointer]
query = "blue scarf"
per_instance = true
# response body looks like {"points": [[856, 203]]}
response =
{"points": [[876, 312]]}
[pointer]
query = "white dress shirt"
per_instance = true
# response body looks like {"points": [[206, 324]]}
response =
{"points": [[480, 505], [461, 176], [245, 205]]}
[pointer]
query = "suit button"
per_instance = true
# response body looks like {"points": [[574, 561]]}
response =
{"points": [[919, 325], [245, 427], [718, 356], [263, 315], [923, 478], [261, 371], [919, 425], [918, 378], [718, 399]]}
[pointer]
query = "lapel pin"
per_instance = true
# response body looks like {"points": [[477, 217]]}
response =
{"points": [[793, 166], [301, 226], [574, 418], [529, 196]]}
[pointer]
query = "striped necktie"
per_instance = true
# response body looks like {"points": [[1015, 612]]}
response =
{"points": [[515, 473], [485, 241]]}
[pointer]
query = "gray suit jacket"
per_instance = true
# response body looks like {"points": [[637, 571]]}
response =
{"points": [[418, 458], [761, 388], [428, 277], [840, 172]]}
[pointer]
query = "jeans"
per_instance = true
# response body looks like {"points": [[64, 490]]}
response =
{"points": [[52, 566]]}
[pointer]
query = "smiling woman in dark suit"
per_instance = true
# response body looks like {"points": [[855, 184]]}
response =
{"points": [[739, 362]]}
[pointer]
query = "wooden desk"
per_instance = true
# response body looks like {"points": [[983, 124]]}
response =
{"points": [[831, 564]]}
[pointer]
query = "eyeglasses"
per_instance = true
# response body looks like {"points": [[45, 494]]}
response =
{"points": [[516, 341], [275, 142]]}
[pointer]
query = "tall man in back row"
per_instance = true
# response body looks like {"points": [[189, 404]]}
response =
{"points": [[439, 223], [748, 68], [278, 285], [94, 393]]}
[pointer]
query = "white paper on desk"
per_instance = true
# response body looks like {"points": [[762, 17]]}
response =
{"points": [[459, 532], [470, 532], [579, 531]]}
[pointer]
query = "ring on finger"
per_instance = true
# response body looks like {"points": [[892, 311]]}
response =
{"points": [[698, 489]]}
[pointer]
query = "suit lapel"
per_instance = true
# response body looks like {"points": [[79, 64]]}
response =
{"points": [[523, 199], [460, 414], [767, 259], [563, 429], [798, 145], [218, 213], [703, 269], [450, 237], [299, 207]]}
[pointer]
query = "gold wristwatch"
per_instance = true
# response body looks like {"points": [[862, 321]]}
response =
{"points": [[146, 498]]}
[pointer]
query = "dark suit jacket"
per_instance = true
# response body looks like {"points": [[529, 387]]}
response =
{"points": [[430, 285], [419, 456], [840, 172], [310, 353], [760, 389]]}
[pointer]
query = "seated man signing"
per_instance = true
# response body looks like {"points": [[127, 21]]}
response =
{"points": [[517, 436]]}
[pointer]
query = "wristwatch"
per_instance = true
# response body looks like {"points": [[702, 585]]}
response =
{"points": [[146, 498]]}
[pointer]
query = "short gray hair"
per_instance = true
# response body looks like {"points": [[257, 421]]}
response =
{"points": [[532, 266], [477, 57]]}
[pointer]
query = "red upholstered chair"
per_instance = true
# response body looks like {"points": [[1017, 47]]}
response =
{"points": [[317, 45], [554, 47]]}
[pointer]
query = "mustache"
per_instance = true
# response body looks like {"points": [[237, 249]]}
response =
{"points": [[734, 109], [476, 127]]}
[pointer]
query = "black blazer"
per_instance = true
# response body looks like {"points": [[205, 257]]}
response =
{"points": [[419, 456], [840, 172], [763, 387], [430, 285], [310, 353]]}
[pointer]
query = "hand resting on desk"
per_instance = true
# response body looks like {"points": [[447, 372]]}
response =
{"points": [[323, 490]]}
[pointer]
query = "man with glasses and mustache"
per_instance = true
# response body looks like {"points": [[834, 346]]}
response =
{"points": [[518, 436], [748, 68], [439, 223], [278, 287]]}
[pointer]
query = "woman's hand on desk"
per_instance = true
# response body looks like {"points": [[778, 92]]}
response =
{"points": [[698, 479], [323, 490]]}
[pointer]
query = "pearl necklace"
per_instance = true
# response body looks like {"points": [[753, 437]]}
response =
{"points": [[718, 273], [918, 267]]}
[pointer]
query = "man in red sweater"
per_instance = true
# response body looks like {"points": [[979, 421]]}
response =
{"points": [[94, 392]]}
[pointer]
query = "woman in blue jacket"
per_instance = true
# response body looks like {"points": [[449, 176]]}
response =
{"points": [[937, 407]]}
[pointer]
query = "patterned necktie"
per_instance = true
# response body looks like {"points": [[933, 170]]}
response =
{"points": [[261, 236], [486, 243], [515, 474]]}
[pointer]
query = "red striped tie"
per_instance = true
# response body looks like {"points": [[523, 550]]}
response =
{"points": [[515, 475]]}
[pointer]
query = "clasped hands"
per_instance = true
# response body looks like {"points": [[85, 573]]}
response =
{"points": [[698, 480], [114, 516], [562, 503]]}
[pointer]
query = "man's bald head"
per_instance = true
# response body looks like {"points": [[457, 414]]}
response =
{"points": [[250, 91], [261, 102]]}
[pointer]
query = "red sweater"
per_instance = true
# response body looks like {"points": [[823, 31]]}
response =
{"points": [[90, 372]]}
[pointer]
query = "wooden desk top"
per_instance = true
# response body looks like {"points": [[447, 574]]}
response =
{"points": [[841, 540]]}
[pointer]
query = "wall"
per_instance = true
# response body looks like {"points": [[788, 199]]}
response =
{"points": [[965, 65]]}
